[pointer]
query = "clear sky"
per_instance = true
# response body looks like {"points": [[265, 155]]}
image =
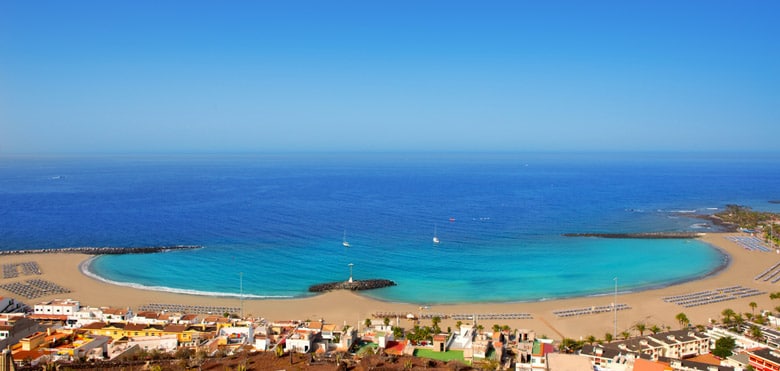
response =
{"points": [[247, 76]]}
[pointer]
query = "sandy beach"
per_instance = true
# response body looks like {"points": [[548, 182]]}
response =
{"points": [[347, 307]]}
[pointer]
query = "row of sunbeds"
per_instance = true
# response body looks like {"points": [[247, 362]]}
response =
{"points": [[34, 288], [750, 243], [712, 296], [28, 269], [189, 309], [590, 310]]}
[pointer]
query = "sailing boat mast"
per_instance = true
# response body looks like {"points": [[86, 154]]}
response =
{"points": [[344, 241], [435, 238]]}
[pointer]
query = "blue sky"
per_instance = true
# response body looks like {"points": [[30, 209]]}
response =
{"points": [[248, 76]]}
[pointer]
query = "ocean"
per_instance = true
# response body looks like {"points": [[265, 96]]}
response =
{"points": [[273, 224]]}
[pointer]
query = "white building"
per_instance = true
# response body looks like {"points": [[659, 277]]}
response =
{"points": [[165, 343], [300, 341], [57, 307], [238, 334]]}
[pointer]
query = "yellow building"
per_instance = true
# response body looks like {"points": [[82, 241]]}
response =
{"points": [[183, 333]]}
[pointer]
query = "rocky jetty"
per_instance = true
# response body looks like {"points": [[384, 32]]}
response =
{"points": [[355, 285], [105, 250], [647, 235]]}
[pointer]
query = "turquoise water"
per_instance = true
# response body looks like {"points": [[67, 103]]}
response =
{"points": [[273, 224]]}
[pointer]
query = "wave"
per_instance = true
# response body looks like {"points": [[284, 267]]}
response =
{"points": [[85, 269]]}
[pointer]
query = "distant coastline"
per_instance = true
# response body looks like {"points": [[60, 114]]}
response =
{"points": [[103, 250]]}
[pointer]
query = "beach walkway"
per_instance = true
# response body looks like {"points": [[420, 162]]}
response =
{"points": [[457, 316]]}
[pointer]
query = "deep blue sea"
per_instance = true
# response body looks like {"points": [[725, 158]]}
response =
{"points": [[273, 224]]}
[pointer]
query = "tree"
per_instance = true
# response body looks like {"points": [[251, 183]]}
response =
{"points": [[458, 324], [727, 314], [435, 321], [753, 306], [386, 321], [738, 321], [654, 329], [756, 333], [682, 319], [398, 332], [608, 337], [590, 339], [496, 328], [625, 335], [367, 322], [724, 346], [641, 327]]}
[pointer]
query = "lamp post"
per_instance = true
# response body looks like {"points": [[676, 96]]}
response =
{"points": [[614, 308], [350, 272]]}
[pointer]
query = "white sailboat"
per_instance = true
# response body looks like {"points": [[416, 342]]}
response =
{"points": [[344, 241], [435, 239]]}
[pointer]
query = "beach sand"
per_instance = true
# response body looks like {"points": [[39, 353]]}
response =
{"points": [[343, 307]]}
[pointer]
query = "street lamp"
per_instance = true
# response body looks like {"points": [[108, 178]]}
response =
{"points": [[241, 292], [614, 308]]}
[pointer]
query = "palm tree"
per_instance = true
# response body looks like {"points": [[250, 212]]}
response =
{"points": [[654, 329], [386, 321], [367, 322], [738, 320], [756, 333], [682, 319], [458, 324], [435, 323], [590, 339], [625, 335], [641, 327], [774, 295], [753, 306], [608, 337], [727, 314]]}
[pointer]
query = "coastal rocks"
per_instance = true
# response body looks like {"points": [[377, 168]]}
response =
{"points": [[354, 285], [106, 250]]}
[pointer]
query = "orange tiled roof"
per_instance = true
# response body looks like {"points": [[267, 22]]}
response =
{"points": [[175, 328], [55, 317], [135, 327], [708, 358], [94, 326]]}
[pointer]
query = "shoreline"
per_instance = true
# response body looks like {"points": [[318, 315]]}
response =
{"points": [[724, 263], [739, 267]]}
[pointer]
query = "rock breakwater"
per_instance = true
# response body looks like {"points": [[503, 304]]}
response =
{"points": [[105, 250], [355, 285]]}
